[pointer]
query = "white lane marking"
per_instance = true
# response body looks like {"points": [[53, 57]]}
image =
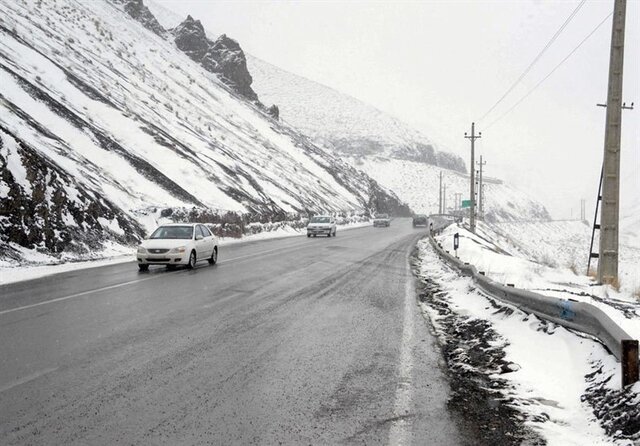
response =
{"points": [[400, 431], [254, 254], [26, 379], [131, 282], [84, 293]]}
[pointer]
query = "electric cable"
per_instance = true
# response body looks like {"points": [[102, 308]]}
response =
{"points": [[535, 60], [551, 72]]}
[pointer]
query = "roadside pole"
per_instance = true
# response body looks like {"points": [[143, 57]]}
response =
{"points": [[472, 197]]}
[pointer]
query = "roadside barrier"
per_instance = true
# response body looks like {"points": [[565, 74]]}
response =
{"points": [[569, 313]]}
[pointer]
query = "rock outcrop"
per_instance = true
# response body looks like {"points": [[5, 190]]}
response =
{"points": [[138, 11], [191, 39], [222, 56], [274, 111]]}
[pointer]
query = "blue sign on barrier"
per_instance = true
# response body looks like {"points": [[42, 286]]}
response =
{"points": [[567, 312]]}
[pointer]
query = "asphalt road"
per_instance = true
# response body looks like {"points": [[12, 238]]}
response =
{"points": [[290, 341]]}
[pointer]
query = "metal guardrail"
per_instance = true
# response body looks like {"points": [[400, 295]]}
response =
{"points": [[573, 314]]}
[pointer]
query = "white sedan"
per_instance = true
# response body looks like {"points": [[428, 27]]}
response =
{"points": [[178, 244], [321, 225]]}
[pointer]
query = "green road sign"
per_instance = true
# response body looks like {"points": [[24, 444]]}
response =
{"points": [[466, 203]]}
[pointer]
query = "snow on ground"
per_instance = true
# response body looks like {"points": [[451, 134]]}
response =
{"points": [[545, 363], [41, 265], [550, 258]]}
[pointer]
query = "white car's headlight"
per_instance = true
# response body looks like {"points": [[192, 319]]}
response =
{"points": [[141, 250], [179, 249]]}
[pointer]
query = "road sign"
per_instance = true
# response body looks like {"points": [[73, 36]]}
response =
{"points": [[456, 240], [466, 203]]}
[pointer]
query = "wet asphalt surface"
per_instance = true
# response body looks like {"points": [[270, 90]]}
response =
{"points": [[290, 341]]}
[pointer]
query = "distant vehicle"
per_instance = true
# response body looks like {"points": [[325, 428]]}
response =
{"points": [[321, 225], [420, 220], [178, 244], [382, 220]]}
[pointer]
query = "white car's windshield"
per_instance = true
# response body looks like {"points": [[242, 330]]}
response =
{"points": [[320, 220], [173, 232], [382, 216]]}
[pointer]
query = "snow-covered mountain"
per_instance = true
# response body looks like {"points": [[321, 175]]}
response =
{"points": [[106, 119], [336, 120], [350, 127], [397, 156], [394, 154]]}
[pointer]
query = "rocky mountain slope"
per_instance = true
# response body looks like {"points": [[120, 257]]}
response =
{"points": [[105, 121]]}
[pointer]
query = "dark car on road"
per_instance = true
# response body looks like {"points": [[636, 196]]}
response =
{"points": [[420, 220]]}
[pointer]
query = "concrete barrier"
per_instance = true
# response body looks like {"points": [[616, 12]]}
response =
{"points": [[569, 313]]}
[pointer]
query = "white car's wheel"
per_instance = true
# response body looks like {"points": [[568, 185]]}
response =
{"points": [[192, 260], [214, 256]]}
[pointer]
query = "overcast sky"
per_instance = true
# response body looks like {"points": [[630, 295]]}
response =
{"points": [[439, 65]]}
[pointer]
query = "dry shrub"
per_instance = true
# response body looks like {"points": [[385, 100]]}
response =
{"points": [[615, 284], [574, 268], [548, 260]]}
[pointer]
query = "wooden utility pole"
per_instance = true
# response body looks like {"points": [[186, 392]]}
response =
{"points": [[472, 196], [610, 206], [480, 190]]}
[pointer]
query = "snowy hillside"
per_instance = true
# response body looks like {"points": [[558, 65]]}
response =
{"points": [[342, 122], [104, 121], [336, 120]]}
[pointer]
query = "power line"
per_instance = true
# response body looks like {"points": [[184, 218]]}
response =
{"points": [[526, 71], [551, 72]]}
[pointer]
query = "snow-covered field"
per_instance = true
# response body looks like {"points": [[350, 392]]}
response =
{"points": [[557, 370]]}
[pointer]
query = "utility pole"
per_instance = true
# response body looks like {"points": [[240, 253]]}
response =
{"points": [[472, 198], [480, 191], [444, 199], [582, 209], [609, 217]]}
